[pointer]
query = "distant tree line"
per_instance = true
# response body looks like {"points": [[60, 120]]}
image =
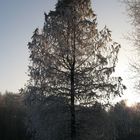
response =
{"points": [[12, 117], [120, 122], [126, 121]]}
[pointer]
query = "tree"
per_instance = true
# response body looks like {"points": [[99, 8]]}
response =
{"points": [[133, 10], [120, 117], [12, 115], [125, 120], [70, 58]]}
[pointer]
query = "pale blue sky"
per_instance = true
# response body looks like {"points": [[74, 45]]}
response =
{"points": [[19, 18]]}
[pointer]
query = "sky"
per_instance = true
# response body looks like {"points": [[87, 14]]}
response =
{"points": [[19, 18]]}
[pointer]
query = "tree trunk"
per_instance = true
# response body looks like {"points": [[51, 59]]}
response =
{"points": [[72, 107]]}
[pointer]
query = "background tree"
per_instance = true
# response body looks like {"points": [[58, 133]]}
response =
{"points": [[133, 10], [125, 121], [120, 116], [70, 58], [12, 116]]}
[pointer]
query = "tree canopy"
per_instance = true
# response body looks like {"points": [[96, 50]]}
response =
{"points": [[71, 58]]}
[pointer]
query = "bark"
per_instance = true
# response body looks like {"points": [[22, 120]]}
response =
{"points": [[72, 107]]}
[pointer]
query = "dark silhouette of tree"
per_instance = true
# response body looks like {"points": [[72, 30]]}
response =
{"points": [[70, 58], [125, 121], [12, 116], [121, 118]]}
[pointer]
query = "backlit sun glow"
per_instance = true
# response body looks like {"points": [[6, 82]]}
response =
{"points": [[130, 103]]}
